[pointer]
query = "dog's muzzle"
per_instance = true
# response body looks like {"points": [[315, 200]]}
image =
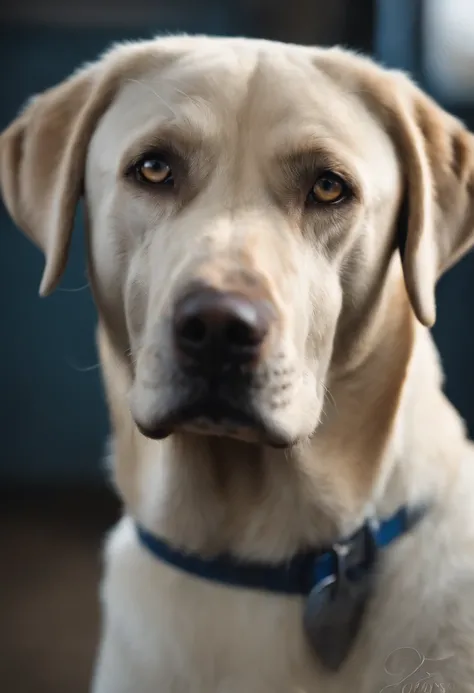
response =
{"points": [[219, 340]]}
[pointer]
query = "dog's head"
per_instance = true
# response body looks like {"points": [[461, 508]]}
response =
{"points": [[246, 205]]}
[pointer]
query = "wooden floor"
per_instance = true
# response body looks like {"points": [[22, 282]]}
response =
{"points": [[49, 575]]}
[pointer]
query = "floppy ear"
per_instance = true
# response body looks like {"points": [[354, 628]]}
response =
{"points": [[43, 152], [42, 160], [437, 159]]}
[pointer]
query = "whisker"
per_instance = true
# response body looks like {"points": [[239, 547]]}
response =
{"points": [[330, 397], [131, 356], [82, 369], [149, 88], [193, 99], [75, 290]]}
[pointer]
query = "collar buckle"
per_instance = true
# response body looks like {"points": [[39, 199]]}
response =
{"points": [[356, 555], [336, 605]]}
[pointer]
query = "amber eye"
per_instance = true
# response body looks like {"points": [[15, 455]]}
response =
{"points": [[328, 189], [154, 170]]}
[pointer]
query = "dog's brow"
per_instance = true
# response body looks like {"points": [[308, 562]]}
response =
{"points": [[183, 133], [320, 148], [182, 136], [313, 156]]}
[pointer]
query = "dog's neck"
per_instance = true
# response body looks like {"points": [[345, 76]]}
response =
{"points": [[374, 451]]}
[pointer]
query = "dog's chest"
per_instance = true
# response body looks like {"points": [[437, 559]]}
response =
{"points": [[190, 636], [173, 633], [198, 637]]}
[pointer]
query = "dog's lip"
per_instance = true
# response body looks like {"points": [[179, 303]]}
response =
{"points": [[154, 432], [206, 414], [215, 417]]}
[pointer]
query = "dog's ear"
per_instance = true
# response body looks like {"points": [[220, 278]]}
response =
{"points": [[42, 161], [437, 215], [43, 152]]}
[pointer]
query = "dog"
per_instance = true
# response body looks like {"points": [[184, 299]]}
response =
{"points": [[266, 224]]}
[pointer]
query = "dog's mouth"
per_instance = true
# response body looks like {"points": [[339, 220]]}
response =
{"points": [[217, 413], [214, 416]]}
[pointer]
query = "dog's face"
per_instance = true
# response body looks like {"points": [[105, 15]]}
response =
{"points": [[242, 200], [226, 197]]}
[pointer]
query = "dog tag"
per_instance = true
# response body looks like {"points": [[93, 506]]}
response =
{"points": [[333, 616]]}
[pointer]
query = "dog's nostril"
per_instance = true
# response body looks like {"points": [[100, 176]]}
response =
{"points": [[194, 331], [240, 334]]}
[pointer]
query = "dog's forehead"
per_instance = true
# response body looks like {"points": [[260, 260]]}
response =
{"points": [[281, 96], [265, 83]]}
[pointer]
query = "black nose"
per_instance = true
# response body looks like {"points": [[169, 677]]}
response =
{"points": [[214, 328]]}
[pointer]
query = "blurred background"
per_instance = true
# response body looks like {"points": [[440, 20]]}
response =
{"points": [[55, 503]]}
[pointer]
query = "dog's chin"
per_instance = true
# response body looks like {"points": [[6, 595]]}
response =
{"points": [[219, 419]]}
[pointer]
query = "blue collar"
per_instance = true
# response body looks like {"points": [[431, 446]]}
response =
{"points": [[352, 557]]}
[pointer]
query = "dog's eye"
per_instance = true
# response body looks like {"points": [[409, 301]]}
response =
{"points": [[328, 189], [154, 170]]}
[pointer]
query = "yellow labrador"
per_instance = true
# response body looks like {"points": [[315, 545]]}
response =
{"points": [[266, 225]]}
